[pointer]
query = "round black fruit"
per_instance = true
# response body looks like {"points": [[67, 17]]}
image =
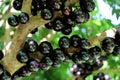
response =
{"points": [[58, 54], [79, 15], [33, 65], [64, 42], [95, 52], [47, 60], [58, 24], [17, 4], [13, 20], [47, 14], [108, 44], [75, 41], [30, 46], [23, 17], [67, 30], [45, 48], [84, 43], [24, 72], [22, 56]]}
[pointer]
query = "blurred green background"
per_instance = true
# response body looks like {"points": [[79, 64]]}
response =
{"points": [[105, 16]]}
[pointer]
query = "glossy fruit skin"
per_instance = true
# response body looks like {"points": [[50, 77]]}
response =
{"points": [[99, 76], [95, 52], [75, 41], [58, 24], [36, 5], [67, 57], [67, 30], [64, 42], [56, 63], [87, 5], [69, 21], [30, 46], [17, 4], [1, 55], [47, 14], [13, 20], [34, 31], [98, 63], [45, 48], [22, 57], [32, 65], [5, 76], [96, 78], [86, 69], [108, 44], [56, 5], [23, 18], [116, 50], [84, 44], [47, 60], [79, 15], [49, 25], [44, 3], [34, 12], [58, 54], [24, 72], [76, 58], [85, 56], [16, 76], [76, 70], [44, 66]]}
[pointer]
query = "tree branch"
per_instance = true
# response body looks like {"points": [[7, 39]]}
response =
{"points": [[113, 70], [9, 61]]}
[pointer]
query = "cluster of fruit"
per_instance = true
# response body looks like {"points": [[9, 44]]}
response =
{"points": [[87, 61], [86, 58], [14, 20], [23, 17], [70, 15], [52, 57], [112, 45]]}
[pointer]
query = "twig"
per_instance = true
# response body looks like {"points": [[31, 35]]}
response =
{"points": [[113, 70]]}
